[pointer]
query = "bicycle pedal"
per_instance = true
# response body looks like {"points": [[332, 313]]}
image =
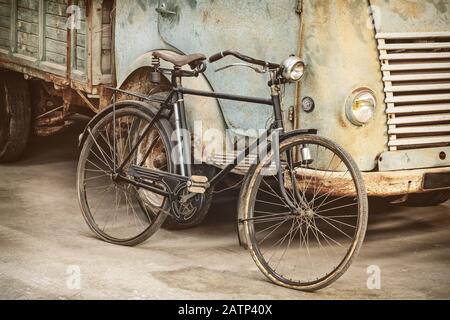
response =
{"points": [[198, 184]]}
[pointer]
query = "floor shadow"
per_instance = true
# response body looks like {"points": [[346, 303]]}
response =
{"points": [[53, 149]]}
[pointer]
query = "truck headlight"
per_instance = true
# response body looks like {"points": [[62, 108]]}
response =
{"points": [[360, 106], [293, 68]]}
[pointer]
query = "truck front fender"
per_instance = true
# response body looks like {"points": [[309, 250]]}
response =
{"points": [[204, 114], [119, 105]]}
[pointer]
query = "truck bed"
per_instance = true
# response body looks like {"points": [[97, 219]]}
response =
{"points": [[35, 39]]}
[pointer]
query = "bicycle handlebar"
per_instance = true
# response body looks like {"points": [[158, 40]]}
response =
{"points": [[223, 54]]}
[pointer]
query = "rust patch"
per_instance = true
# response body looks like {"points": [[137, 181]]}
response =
{"points": [[410, 10], [139, 82]]}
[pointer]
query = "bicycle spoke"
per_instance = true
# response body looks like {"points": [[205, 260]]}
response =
{"points": [[303, 246], [119, 212]]}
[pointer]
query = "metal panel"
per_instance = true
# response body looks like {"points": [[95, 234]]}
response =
{"points": [[265, 29], [341, 55], [399, 18], [414, 159]]}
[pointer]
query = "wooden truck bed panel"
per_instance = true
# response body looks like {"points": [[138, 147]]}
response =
{"points": [[35, 39]]}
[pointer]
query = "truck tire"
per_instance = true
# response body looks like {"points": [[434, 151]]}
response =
{"points": [[430, 199], [15, 116]]}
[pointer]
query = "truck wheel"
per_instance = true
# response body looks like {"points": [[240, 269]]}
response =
{"points": [[430, 199], [15, 116]]}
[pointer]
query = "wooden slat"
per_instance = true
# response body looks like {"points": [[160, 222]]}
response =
{"points": [[419, 98], [81, 53], [5, 22], [412, 35], [415, 46], [81, 40], [415, 66], [421, 87], [81, 64], [5, 33], [28, 4], [28, 27], [419, 141], [432, 118], [417, 76], [56, 34], [27, 15], [58, 9], [4, 43], [27, 50], [55, 46], [28, 39], [419, 109], [415, 56], [106, 43], [55, 21], [56, 58], [421, 130], [5, 10], [82, 30]]}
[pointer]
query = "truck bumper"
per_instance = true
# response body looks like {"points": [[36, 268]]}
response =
{"points": [[382, 184], [379, 184]]}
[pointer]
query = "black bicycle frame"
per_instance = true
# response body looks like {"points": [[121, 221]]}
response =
{"points": [[178, 108], [274, 102]]}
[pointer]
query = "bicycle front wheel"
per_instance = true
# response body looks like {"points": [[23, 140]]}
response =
{"points": [[305, 221]]}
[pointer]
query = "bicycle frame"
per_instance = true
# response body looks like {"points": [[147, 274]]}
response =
{"points": [[175, 104]]}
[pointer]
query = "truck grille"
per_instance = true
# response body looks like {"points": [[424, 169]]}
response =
{"points": [[416, 76]]}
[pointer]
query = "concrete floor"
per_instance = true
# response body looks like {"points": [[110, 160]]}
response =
{"points": [[43, 236]]}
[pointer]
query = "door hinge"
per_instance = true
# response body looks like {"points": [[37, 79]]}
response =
{"points": [[291, 113]]}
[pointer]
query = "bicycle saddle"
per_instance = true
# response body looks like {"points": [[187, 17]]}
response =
{"points": [[181, 60]]}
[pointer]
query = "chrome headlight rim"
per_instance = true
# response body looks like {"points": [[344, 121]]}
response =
{"points": [[293, 69], [361, 106]]}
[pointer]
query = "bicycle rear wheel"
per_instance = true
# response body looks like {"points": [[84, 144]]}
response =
{"points": [[305, 236], [115, 210]]}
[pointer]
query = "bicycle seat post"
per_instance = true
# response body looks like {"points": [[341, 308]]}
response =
{"points": [[181, 129]]}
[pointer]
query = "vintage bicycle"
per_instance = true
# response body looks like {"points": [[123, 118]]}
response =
{"points": [[301, 231]]}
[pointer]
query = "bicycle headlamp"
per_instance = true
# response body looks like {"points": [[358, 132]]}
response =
{"points": [[293, 68]]}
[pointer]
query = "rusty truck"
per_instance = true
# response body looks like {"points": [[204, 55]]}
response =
{"points": [[377, 76]]}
